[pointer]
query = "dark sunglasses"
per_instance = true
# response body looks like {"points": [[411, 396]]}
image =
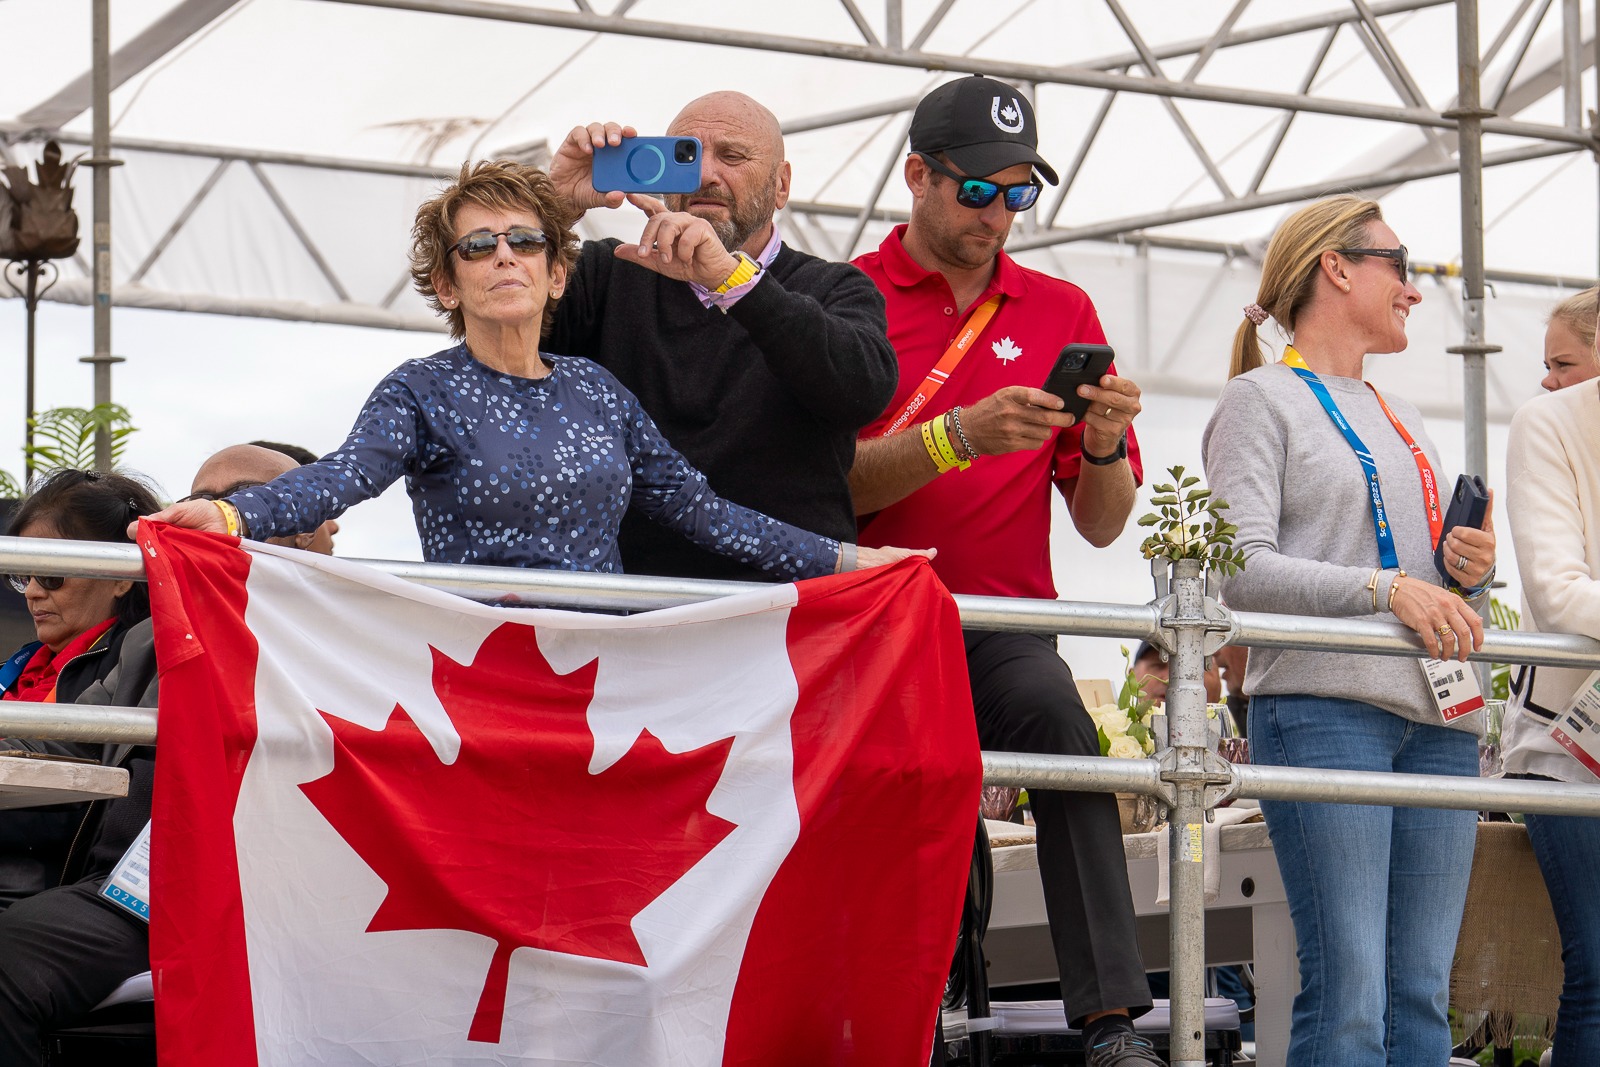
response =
{"points": [[976, 192], [1399, 256], [523, 240], [49, 583]]}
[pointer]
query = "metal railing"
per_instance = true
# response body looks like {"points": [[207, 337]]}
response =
{"points": [[1187, 777]]}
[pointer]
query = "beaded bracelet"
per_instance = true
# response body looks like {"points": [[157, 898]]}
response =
{"points": [[941, 439], [961, 435]]}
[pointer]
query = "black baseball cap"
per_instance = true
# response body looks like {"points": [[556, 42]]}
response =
{"points": [[982, 125]]}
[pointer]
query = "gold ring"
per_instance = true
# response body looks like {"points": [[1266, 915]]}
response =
{"points": [[1444, 631], [1108, 411]]}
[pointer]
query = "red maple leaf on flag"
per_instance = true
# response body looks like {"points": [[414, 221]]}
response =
{"points": [[515, 839]]}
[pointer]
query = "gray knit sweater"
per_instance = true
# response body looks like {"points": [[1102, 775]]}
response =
{"points": [[1298, 495]]}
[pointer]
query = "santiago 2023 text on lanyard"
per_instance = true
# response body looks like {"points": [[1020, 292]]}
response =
{"points": [[1380, 518]]}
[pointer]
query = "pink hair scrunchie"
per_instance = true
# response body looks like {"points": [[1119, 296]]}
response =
{"points": [[1255, 313]]}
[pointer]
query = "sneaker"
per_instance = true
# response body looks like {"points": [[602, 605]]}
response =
{"points": [[1124, 1049]]}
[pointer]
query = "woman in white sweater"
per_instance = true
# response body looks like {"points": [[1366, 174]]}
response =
{"points": [[1329, 484], [1553, 490]]}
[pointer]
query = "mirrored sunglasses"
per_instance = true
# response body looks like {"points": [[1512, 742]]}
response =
{"points": [[1399, 256], [49, 582], [523, 240], [976, 192]]}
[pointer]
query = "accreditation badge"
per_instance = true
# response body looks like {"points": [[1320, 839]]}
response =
{"points": [[129, 885], [1454, 687], [1577, 729]]}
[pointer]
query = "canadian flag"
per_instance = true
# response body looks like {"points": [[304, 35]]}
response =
{"points": [[392, 826]]}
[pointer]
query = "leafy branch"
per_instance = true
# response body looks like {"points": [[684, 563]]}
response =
{"points": [[64, 437], [1189, 525]]}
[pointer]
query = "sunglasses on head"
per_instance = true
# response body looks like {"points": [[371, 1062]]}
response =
{"points": [[523, 240], [1399, 256], [976, 192], [48, 582]]}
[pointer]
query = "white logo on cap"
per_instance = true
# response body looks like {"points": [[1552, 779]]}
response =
{"points": [[1008, 118]]}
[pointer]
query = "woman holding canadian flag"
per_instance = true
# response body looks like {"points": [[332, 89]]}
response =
{"points": [[512, 456]]}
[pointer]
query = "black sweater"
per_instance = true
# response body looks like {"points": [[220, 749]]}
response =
{"points": [[765, 400]]}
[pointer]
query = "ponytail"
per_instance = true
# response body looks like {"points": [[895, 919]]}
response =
{"points": [[1246, 350], [1289, 268]]}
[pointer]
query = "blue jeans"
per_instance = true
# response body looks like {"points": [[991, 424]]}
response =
{"points": [[1568, 851], [1375, 893]]}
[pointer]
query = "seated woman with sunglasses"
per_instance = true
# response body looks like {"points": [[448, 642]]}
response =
{"points": [[63, 947], [512, 456]]}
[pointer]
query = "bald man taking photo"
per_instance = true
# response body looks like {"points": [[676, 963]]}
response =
{"points": [[759, 362]]}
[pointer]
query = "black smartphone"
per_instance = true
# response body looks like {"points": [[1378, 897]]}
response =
{"points": [[653, 165], [1078, 365], [1467, 507]]}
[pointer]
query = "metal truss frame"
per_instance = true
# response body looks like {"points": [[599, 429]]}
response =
{"points": [[888, 40], [884, 36]]}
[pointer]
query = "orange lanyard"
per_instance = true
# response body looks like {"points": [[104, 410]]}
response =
{"points": [[947, 364], [1430, 484]]}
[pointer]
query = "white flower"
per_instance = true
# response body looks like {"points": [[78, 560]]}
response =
{"points": [[1192, 531], [1110, 719], [1125, 747]]}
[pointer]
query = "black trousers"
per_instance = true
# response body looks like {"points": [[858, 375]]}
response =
{"points": [[1026, 701], [62, 952]]}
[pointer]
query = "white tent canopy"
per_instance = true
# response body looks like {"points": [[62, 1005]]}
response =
{"points": [[260, 137]]}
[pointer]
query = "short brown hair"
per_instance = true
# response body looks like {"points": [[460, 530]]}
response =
{"points": [[503, 185], [1289, 269]]}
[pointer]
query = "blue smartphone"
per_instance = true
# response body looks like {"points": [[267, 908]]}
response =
{"points": [[652, 165]]}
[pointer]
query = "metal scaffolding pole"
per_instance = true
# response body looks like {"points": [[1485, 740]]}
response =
{"points": [[101, 161], [1470, 115], [1190, 770]]}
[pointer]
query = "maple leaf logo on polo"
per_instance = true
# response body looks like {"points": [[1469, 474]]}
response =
{"points": [[1006, 350], [569, 895]]}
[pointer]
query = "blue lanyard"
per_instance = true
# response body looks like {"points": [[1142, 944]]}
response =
{"points": [[1380, 518], [12, 670]]}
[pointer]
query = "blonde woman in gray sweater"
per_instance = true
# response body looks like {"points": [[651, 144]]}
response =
{"points": [[1336, 492]]}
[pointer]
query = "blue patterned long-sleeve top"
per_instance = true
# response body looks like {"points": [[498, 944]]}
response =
{"points": [[524, 472]]}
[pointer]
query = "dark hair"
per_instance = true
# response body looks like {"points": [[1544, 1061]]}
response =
{"points": [[300, 455], [90, 506]]}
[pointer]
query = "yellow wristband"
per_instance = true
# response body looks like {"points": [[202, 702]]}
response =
{"points": [[941, 438], [933, 449], [230, 516], [747, 269]]}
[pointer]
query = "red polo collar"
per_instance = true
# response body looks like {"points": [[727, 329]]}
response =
{"points": [[906, 273]]}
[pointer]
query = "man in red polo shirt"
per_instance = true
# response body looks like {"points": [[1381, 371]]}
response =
{"points": [[964, 459]]}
